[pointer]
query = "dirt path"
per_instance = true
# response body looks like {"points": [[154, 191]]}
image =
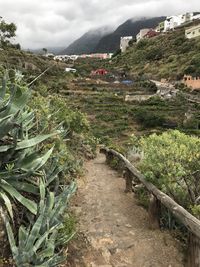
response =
{"points": [[115, 227]]}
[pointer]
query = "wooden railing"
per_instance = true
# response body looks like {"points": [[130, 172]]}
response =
{"points": [[157, 197]]}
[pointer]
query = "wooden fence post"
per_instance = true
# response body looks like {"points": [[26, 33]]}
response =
{"points": [[193, 251], [109, 157], [128, 177], [154, 212]]}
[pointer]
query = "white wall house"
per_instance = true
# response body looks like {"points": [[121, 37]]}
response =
{"points": [[124, 43], [195, 17], [141, 34], [174, 21]]}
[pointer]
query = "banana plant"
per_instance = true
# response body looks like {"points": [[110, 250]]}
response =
{"points": [[38, 244]]}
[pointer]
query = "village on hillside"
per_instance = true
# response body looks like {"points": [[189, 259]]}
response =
{"points": [[190, 22]]}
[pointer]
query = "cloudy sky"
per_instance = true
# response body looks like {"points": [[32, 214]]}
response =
{"points": [[46, 23]]}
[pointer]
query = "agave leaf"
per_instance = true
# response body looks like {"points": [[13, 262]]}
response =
{"points": [[19, 100], [34, 234], [27, 143], [23, 186], [51, 245], [42, 238], [7, 124], [42, 195], [22, 236], [7, 203], [55, 261], [5, 148], [53, 175], [10, 234], [29, 204], [33, 163], [50, 201], [33, 141], [61, 202], [3, 88]]}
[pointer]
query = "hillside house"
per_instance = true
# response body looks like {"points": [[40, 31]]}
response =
{"points": [[99, 72], [124, 43], [192, 32], [173, 22], [151, 33], [141, 34], [196, 16], [192, 82]]}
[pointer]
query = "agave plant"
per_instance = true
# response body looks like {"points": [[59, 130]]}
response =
{"points": [[20, 163], [38, 244]]}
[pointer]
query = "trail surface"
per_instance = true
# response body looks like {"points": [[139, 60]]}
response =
{"points": [[114, 229]]}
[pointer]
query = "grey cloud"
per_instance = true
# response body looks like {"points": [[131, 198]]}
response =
{"points": [[58, 22]]}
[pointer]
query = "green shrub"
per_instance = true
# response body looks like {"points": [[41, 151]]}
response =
{"points": [[149, 118], [172, 162]]}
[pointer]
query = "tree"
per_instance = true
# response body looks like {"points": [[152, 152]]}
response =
{"points": [[7, 32], [44, 50]]}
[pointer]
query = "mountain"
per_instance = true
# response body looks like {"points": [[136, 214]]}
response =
{"points": [[86, 43], [111, 42]]}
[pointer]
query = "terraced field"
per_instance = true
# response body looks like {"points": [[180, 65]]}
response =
{"points": [[113, 118]]}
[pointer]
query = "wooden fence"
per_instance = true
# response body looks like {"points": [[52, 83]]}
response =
{"points": [[157, 197]]}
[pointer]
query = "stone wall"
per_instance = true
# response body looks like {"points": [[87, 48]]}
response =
{"points": [[192, 82]]}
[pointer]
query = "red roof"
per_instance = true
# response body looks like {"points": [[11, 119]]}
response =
{"points": [[99, 72]]}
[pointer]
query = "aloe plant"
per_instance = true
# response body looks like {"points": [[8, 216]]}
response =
{"points": [[38, 243], [20, 163]]}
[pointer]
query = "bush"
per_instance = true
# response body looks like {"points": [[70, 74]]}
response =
{"points": [[149, 118], [172, 163], [154, 53]]}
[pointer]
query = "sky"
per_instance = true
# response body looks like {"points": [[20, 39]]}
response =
{"points": [[53, 23]]}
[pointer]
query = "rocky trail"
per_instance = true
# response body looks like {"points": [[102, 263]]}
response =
{"points": [[113, 228]]}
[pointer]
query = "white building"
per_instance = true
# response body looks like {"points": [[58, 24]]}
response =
{"points": [[70, 70], [174, 21], [124, 43], [141, 34], [197, 16], [65, 57]]}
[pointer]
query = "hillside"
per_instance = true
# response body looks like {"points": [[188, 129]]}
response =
{"points": [[166, 56], [110, 42], [86, 43]]}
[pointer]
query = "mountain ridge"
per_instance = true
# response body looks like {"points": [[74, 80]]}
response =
{"points": [[111, 42], [87, 42]]}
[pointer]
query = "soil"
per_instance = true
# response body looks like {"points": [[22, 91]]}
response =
{"points": [[113, 228]]}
